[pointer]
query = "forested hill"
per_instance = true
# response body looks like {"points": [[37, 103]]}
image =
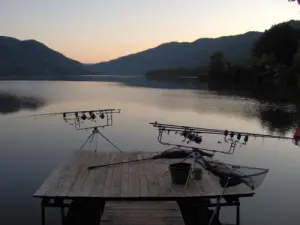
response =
{"points": [[32, 58], [176, 54]]}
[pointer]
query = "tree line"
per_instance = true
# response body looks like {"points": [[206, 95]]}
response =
{"points": [[275, 61]]}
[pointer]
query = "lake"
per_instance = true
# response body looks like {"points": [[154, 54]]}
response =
{"points": [[32, 146]]}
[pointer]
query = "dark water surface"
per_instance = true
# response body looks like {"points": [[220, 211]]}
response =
{"points": [[31, 147]]}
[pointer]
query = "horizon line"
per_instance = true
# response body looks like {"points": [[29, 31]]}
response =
{"points": [[149, 48]]}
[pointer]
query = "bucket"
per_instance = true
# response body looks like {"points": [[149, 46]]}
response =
{"points": [[179, 172]]}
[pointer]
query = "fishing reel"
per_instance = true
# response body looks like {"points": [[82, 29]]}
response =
{"points": [[78, 118], [195, 135], [235, 138], [189, 137]]}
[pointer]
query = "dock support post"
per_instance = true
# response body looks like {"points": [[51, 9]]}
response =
{"points": [[238, 212], [85, 211], [62, 210], [60, 203], [43, 216]]}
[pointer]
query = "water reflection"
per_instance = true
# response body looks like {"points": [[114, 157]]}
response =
{"points": [[278, 111], [10, 103], [278, 120]]}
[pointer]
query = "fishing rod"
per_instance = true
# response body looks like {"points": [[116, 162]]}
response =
{"points": [[195, 135], [77, 118], [87, 120], [199, 130], [75, 112], [170, 153]]}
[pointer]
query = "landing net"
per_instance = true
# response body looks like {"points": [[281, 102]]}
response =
{"points": [[236, 174]]}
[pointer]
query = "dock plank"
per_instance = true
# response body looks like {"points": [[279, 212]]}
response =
{"points": [[90, 175], [55, 175], [125, 177], [142, 177], [78, 184], [67, 175], [49, 181], [134, 184], [142, 213], [153, 181], [106, 192], [116, 188], [86, 160], [100, 175], [146, 179], [209, 187]]}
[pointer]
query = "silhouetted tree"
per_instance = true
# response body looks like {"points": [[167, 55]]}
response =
{"points": [[281, 40], [295, 1], [218, 67]]}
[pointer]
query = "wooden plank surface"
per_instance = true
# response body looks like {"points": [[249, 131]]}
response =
{"points": [[144, 186], [145, 179], [125, 177], [153, 181], [142, 213], [106, 192], [76, 189], [116, 188], [92, 175], [67, 176], [55, 175], [100, 175]]}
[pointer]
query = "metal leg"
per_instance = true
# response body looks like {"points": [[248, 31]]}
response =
{"points": [[43, 213], [89, 137], [189, 155], [116, 147], [190, 174]]}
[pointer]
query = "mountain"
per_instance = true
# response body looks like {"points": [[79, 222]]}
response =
{"points": [[176, 54], [185, 54], [32, 58]]}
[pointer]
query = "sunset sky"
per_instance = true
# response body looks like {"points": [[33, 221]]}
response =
{"points": [[100, 30]]}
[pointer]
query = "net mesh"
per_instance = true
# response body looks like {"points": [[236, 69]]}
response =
{"points": [[251, 176]]}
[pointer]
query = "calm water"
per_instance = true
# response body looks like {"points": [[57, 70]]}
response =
{"points": [[32, 147]]}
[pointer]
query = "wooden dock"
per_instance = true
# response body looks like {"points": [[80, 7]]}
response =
{"points": [[143, 181], [143, 213]]}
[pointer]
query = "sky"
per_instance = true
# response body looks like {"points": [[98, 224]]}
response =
{"points": [[93, 31]]}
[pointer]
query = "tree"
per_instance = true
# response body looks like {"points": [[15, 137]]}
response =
{"points": [[218, 67], [280, 40], [294, 1]]}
